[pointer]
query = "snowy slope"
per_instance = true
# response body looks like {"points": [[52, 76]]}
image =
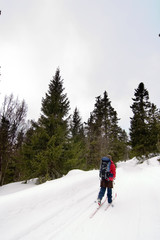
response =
{"points": [[61, 209]]}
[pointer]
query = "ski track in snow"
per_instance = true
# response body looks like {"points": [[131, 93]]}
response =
{"points": [[61, 209]]}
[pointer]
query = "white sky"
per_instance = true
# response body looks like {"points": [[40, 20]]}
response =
{"points": [[99, 45]]}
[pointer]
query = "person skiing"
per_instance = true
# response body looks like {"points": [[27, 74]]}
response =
{"points": [[107, 175]]}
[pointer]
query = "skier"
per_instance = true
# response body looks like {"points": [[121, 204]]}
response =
{"points": [[107, 174]]}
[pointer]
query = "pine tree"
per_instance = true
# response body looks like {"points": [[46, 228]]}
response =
{"points": [[143, 130], [76, 125], [76, 151], [91, 143], [49, 141], [55, 106], [103, 132], [94, 135], [114, 138], [153, 128]]}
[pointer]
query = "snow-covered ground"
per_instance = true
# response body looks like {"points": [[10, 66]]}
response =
{"points": [[61, 209]]}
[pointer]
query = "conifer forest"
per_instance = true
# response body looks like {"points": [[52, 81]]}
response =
{"points": [[60, 141]]}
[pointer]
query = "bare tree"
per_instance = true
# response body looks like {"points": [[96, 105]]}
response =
{"points": [[12, 125]]}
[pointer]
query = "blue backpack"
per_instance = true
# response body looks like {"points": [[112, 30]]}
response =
{"points": [[104, 172]]}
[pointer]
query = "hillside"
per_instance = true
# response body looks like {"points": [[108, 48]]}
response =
{"points": [[61, 209]]}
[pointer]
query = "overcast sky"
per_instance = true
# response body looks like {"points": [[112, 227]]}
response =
{"points": [[98, 45]]}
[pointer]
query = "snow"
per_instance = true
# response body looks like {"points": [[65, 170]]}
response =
{"points": [[61, 209]]}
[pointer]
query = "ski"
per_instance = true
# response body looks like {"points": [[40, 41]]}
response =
{"points": [[110, 204], [92, 215]]}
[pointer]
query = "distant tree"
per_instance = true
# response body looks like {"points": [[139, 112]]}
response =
{"points": [[91, 144], [77, 149], [12, 128], [76, 126]]}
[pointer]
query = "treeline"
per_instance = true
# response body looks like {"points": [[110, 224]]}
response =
{"points": [[59, 142]]}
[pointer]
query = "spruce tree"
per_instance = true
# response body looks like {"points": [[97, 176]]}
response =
{"points": [[76, 126], [49, 140], [55, 106], [153, 128], [114, 138], [103, 132], [143, 130], [54, 119], [76, 150], [91, 143]]}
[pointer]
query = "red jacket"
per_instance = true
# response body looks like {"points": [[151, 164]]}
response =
{"points": [[112, 171]]}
